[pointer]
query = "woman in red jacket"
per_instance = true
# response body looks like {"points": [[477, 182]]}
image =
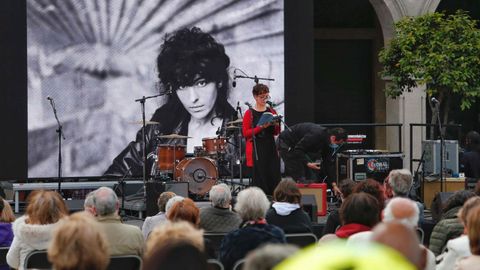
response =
{"points": [[265, 163]]}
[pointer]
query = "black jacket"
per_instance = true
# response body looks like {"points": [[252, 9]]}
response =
{"points": [[296, 222], [308, 142]]}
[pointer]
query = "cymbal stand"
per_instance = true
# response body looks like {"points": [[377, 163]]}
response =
{"points": [[144, 138]]}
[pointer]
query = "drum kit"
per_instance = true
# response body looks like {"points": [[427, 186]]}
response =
{"points": [[202, 170]]}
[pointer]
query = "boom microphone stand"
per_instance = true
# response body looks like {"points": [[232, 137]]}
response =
{"points": [[144, 137], [442, 142], [60, 137]]}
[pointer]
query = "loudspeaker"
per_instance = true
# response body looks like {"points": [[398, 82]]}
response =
{"points": [[309, 205], [154, 189], [432, 156], [319, 191], [437, 204]]}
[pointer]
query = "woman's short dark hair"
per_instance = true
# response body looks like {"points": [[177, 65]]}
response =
{"points": [[287, 191], [457, 199], [361, 208], [346, 186], [372, 187], [259, 89]]}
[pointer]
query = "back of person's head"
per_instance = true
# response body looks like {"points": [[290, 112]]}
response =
{"points": [[472, 141], [467, 207], [188, 53], [88, 204], [372, 187], [45, 207], [171, 202], [457, 199], [400, 181], [339, 133], [78, 243], [6, 213], [346, 187], [287, 191], [402, 210], [403, 239], [174, 232], [105, 201], [473, 230], [185, 210], [220, 195], [173, 256], [252, 204], [163, 199], [267, 256], [361, 208]]}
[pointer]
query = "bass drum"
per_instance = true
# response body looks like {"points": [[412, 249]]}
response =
{"points": [[200, 172]]}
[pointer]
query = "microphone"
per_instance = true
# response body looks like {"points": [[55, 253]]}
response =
{"points": [[271, 104], [435, 101], [49, 98], [234, 83], [248, 104]]}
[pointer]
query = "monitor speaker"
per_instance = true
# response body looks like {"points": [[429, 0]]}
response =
{"points": [[154, 189], [319, 191]]}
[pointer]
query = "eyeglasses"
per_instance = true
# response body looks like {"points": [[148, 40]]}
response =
{"points": [[264, 97]]}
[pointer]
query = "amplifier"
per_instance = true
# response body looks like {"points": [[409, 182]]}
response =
{"points": [[319, 190], [359, 165], [154, 189], [432, 157]]}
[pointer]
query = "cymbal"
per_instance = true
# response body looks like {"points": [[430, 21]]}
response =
{"points": [[173, 136], [146, 122], [233, 127], [238, 121]]}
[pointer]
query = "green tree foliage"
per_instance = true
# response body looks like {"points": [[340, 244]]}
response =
{"points": [[441, 51]]}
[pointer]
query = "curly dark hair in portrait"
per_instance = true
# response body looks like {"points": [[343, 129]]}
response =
{"points": [[187, 55]]}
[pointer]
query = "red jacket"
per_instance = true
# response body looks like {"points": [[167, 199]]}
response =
{"points": [[248, 131]]}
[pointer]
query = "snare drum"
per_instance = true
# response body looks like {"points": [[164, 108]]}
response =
{"points": [[200, 173], [168, 155], [213, 146]]}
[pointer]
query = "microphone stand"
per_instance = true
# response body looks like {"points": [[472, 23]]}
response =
{"points": [[442, 142], [144, 138], [239, 109], [60, 137], [254, 78]]}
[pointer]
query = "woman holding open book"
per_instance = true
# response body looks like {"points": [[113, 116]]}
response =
{"points": [[259, 133]]}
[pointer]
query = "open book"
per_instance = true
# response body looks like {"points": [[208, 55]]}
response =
{"points": [[268, 117]]}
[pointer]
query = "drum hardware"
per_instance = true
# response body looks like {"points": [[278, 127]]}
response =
{"points": [[146, 122], [233, 127], [238, 121], [173, 136]]}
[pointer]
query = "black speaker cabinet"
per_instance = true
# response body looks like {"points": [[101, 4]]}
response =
{"points": [[155, 188], [309, 205]]}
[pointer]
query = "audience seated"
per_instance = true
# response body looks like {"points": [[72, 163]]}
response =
{"points": [[404, 211], [78, 243], [449, 226], [252, 205], [473, 231], [175, 245], [33, 231], [88, 205], [160, 217], [458, 247], [171, 202], [268, 256], [185, 210], [175, 256], [400, 182], [286, 211], [403, 239], [6, 232], [372, 187], [333, 220], [218, 217], [123, 239], [359, 213]]}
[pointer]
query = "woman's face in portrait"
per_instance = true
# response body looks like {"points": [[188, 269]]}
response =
{"points": [[262, 98], [199, 98]]}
